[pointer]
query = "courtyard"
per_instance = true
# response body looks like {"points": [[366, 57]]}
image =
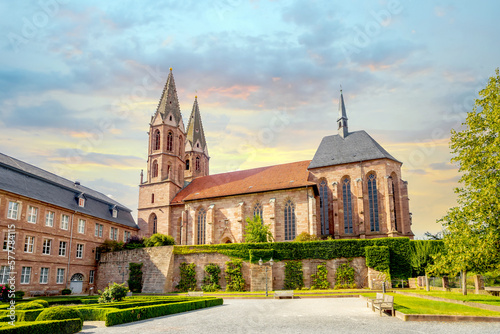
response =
{"points": [[309, 315]]}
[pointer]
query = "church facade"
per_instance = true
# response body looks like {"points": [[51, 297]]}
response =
{"points": [[352, 188]]}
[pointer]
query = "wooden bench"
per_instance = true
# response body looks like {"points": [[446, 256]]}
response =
{"points": [[52, 292], [283, 294], [494, 290], [378, 299], [37, 293], [195, 293], [386, 304]]}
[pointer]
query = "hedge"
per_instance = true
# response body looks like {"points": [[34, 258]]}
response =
{"points": [[136, 314], [44, 327], [27, 315], [378, 258], [399, 251]]}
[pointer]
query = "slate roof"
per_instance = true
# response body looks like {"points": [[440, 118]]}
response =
{"points": [[278, 177], [356, 146], [195, 127], [27, 180], [169, 102]]}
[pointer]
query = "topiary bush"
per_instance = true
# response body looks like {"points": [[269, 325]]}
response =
{"points": [[41, 301], [158, 239], [211, 279], [29, 306], [234, 276], [66, 292], [294, 276], [113, 293], [135, 277], [188, 277], [60, 313]]}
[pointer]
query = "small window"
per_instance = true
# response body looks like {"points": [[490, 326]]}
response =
{"points": [[98, 230], [26, 275], [81, 226], [13, 210], [44, 275], [81, 202], [60, 276], [115, 213], [91, 276], [170, 140], [49, 218], [113, 233], [197, 163], [64, 222], [9, 240], [29, 242], [170, 118], [152, 198], [4, 274], [32, 214], [126, 236], [62, 248], [157, 137], [155, 168], [187, 164], [47, 244], [79, 251]]}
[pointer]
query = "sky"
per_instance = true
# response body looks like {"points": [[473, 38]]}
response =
{"points": [[79, 82]]}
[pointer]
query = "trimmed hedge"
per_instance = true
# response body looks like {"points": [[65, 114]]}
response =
{"points": [[59, 313], [256, 254], [28, 315], [136, 314], [44, 327], [378, 258]]}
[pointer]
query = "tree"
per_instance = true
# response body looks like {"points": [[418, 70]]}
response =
{"points": [[256, 231], [471, 235], [158, 239]]}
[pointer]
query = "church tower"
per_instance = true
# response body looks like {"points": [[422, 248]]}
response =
{"points": [[165, 170], [197, 159], [342, 120]]}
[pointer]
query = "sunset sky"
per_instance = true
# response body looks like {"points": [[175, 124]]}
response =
{"points": [[80, 80]]}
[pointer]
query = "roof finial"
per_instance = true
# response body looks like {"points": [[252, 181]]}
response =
{"points": [[171, 69], [341, 89]]}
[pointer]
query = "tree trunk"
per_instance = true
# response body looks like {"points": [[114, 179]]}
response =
{"points": [[464, 282]]}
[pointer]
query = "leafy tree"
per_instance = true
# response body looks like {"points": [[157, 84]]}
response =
{"points": [[158, 239], [113, 293], [256, 231], [472, 230], [304, 236]]}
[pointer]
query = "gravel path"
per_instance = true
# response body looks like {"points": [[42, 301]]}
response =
{"points": [[328, 315]]}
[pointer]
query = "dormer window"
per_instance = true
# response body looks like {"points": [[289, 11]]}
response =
{"points": [[81, 202], [115, 213]]}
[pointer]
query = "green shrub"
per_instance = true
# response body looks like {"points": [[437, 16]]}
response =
{"points": [[110, 246], [256, 231], [158, 239], [135, 277], [304, 236], [65, 292], [52, 327], [294, 276], [234, 276], [344, 277], [113, 293], [19, 294], [188, 277], [41, 301], [29, 306], [59, 313], [212, 278], [320, 279], [378, 258], [134, 242]]}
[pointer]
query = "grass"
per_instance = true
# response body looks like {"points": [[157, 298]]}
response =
{"points": [[484, 299], [415, 305]]}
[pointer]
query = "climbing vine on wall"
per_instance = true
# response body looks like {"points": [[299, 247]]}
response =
{"points": [[212, 277], [234, 276], [320, 279], [188, 277], [135, 277], [294, 276], [344, 277]]}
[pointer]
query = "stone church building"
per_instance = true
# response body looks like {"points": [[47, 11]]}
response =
{"points": [[352, 188]]}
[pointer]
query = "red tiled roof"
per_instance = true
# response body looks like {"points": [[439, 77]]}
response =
{"points": [[286, 176]]}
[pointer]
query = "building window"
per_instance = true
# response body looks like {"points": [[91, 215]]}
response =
{"points": [[155, 168], [197, 166], [180, 145], [155, 224], [13, 210], [81, 226], [32, 214], [62, 248], [97, 253], [187, 164], [113, 233], [29, 242], [25, 275], [152, 198], [44, 275], [60, 276], [323, 207], [168, 171], [257, 211], [126, 236], [115, 213], [5, 241], [347, 198], [289, 221], [91, 276], [49, 218], [98, 230], [170, 139], [47, 243], [394, 202], [64, 222], [373, 201], [202, 219], [81, 202], [79, 251], [157, 137], [4, 274], [9, 237]]}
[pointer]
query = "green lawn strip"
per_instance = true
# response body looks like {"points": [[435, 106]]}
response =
{"points": [[483, 299], [415, 305]]}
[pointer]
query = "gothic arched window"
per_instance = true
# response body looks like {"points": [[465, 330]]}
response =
{"points": [[155, 168], [168, 171], [347, 199], [395, 198], [373, 201], [289, 221], [257, 211], [180, 145], [153, 220], [187, 164], [323, 205], [157, 137], [202, 219], [197, 163], [170, 141]]}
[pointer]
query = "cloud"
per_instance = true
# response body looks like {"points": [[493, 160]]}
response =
{"points": [[442, 166], [453, 180], [82, 158]]}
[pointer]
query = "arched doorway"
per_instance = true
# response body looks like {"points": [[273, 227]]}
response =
{"points": [[76, 284]]}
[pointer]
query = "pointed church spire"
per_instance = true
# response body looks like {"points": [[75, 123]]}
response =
{"points": [[195, 134], [168, 107], [342, 120]]}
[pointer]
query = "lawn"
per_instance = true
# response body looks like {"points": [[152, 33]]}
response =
{"points": [[415, 305], [484, 299]]}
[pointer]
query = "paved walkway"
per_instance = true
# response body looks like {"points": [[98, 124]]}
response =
{"points": [[328, 315]]}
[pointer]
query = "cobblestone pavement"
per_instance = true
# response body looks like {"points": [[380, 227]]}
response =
{"points": [[326, 315]]}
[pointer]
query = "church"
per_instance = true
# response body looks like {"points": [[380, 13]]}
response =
{"points": [[351, 189]]}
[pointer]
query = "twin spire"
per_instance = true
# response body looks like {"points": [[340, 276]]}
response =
{"points": [[342, 120]]}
